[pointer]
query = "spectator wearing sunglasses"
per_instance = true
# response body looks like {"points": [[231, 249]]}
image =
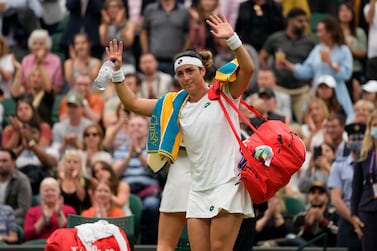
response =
{"points": [[93, 147]]}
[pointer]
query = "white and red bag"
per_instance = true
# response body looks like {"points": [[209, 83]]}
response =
{"points": [[100, 235]]}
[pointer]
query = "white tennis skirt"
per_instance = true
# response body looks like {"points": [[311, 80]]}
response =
{"points": [[178, 185], [231, 196]]}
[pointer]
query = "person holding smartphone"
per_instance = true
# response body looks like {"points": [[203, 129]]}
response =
{"points": [[319, 166]]}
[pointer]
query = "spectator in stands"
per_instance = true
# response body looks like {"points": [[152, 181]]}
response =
{"points": [[115, 24], [112, 100], [340, 186], [363, 199], [102, 205], [280, 44], [158, 31], [19, 19], [363, 109], [356, 40], [25, 112], [273, 224], [154, 82], [131, 167], [267, 79], [15, 189], [257, 19], [319, 167], [7, 69], [369, 91], [371, 18], [84, 16], [73, 184], [103, 171], [335, 130], [314, 127], [319, 218], [265, 102], [230, 10], [93, 103], [40, 91], [53, 13], [42, 220], [8, 223], [331, 57], [117, 134], [34, 160], [67, 134], [289, 5], [325, 90], [40, 44], [80, 61], [92, 147], [199, 31]]}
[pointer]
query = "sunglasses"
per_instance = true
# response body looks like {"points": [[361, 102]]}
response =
{"points": [[88, 134]]}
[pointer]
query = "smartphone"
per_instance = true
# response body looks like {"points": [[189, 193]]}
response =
{"points": [[317, 152]]}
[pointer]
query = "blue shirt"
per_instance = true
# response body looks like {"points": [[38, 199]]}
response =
{"points": [[7, 220], [313, 67], [341, 175]]}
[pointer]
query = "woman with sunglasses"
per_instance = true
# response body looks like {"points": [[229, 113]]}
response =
{"points": [[93, 147]]}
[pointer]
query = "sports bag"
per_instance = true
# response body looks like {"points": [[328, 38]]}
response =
{"points": [[100, 235], [261, 181]]}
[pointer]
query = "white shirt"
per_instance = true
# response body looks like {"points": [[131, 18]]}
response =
{"points": [[7, 65], [210, 143]]}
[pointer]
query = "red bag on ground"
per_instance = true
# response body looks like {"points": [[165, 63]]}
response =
{"points": [[68, 239], [261, 181]]}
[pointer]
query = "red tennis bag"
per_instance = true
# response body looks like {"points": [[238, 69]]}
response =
{"points": [[68, 239], [261, 181]]}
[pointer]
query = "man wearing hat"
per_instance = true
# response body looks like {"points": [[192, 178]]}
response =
{"points": [[93, 103], [265, 103], [319, 218], [266, 79], [67, 134], [355, 132]]}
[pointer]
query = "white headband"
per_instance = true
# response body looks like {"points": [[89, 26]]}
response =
{"points": [[187, 60]]}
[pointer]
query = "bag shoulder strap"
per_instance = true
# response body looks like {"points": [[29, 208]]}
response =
{"points": [[247, 154]]}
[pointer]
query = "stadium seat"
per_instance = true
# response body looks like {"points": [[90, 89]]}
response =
{"points": [[136, 206], [126, 223], [36, 242], [9, 106], [294, 205]]}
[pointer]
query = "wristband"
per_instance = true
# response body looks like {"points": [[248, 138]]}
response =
{"points": [[234, 42], [118, 77]]}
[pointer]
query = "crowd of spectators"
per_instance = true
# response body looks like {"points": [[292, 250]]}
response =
{"points": [[82, 152]]}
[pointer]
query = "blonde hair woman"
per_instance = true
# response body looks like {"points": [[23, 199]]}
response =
{"points": [[73, 184], [315, 117], [93, 147], [364, 183]]}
